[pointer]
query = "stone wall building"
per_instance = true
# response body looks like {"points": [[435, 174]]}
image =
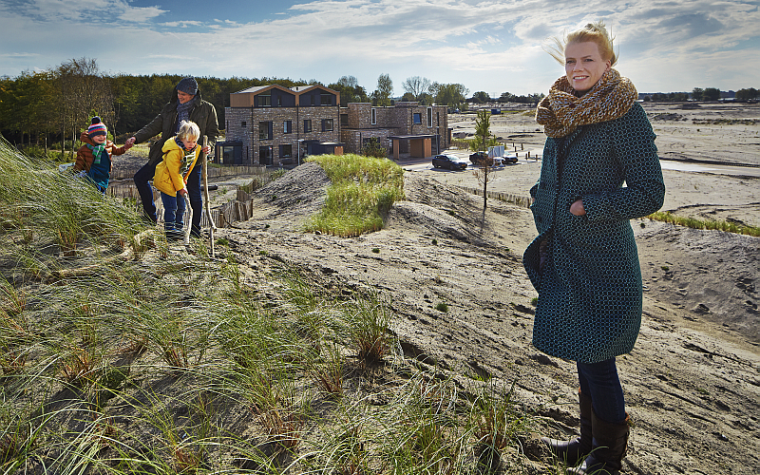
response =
{"points": [[276, 125], [406, 127]]}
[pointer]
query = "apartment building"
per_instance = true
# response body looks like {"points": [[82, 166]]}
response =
{"points": [[404, 128], [276, 125]]}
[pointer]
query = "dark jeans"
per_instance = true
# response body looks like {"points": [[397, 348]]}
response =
{"points": [[145, 174], [174, 212], [142, 177], [600, 381]]}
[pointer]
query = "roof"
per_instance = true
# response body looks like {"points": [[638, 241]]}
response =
{"points": [[406, 137], [251, 89]]}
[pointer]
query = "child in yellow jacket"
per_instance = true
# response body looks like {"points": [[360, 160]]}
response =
{"points": [[180, 155]]}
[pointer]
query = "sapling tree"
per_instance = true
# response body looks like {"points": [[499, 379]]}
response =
{"points": [[485, 167]]}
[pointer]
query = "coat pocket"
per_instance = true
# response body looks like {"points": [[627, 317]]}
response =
{"points": [[532, 259]]}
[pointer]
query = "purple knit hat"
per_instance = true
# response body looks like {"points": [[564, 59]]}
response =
{"points": [[97, 128]]}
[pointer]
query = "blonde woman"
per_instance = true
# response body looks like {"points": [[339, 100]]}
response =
{"points": [[584, 263]]}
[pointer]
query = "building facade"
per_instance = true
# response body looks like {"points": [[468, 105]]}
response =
{"points": [[276, 125], [406, 127]]}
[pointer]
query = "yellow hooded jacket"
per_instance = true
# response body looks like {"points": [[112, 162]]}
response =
{"points": [[168, 178]]}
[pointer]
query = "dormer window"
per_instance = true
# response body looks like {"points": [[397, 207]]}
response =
{"points": [[265, 99]]}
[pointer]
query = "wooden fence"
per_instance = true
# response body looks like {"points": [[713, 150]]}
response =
{"points": [[240, 209], [213, 172], [518, 200]]}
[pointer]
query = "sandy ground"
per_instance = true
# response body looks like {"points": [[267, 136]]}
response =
{"points": [[693, 381]]}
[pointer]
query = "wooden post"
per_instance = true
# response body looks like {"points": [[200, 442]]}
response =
{"points": [[189, 219], [206, 203]]}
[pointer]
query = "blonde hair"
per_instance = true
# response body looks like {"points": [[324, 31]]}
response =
{"points": [[188, 130], [595, 32]]}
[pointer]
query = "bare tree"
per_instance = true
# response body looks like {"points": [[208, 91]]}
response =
{"points": [[416, 86], [84, 93]]}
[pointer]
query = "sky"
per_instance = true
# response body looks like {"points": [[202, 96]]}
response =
{"points": [[491, 46]]}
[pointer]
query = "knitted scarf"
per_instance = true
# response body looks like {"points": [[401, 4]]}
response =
{"points": [[561, 112], [97, 151], [183, 112], [187, 157]]}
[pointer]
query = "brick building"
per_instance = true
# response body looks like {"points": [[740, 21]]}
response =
{"points": [[276, 125], [407, 127]]}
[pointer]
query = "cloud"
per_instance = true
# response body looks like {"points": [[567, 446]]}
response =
{"points": [[181, 24], [96, 11], [487, 45]]}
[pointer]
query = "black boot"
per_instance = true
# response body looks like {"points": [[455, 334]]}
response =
{"points": [[609, 446], [575, 450]]}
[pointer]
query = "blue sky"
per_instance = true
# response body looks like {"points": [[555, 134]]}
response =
{"points": [[492, 46]]}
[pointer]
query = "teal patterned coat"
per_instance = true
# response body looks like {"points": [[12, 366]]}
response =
{"points": [[590, 290]]}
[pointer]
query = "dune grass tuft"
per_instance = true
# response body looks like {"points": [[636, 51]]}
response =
{"points": [[362, 192], [695, 223]]}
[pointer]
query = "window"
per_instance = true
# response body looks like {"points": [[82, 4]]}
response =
{"points": [[242, 124], [417, 118], [373, 116], [429, 116], [327, 125], [279, 101], [326, 99], [306, 126], [265, 100], [265, 130], [287, 127], [286, 151], [344, 120]]}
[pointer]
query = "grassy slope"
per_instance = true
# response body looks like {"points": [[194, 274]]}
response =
{"points": [[176, 363]]}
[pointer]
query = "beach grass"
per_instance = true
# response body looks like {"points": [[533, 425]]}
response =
{"points": [[361, 193], [696, 223], [173, 362]]}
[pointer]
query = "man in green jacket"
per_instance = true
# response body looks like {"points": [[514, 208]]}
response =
{"points": [[185, 104]]}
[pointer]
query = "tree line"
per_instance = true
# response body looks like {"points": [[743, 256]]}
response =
{"points": [[50, 109], [702, 94]]}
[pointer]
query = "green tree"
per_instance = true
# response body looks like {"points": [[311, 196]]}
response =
{"points": [[746, 94], [483, 132], [452, 95], [350, 90], [711, 94], [697, 93], [481, 97], [384, 90]]}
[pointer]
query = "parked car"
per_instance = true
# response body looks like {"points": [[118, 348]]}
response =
{"points": [[481, 159], [451, 162], [509, 158]]}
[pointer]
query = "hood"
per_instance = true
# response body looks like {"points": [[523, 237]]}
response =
{"points": [[84, 138], [170, 144]]}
